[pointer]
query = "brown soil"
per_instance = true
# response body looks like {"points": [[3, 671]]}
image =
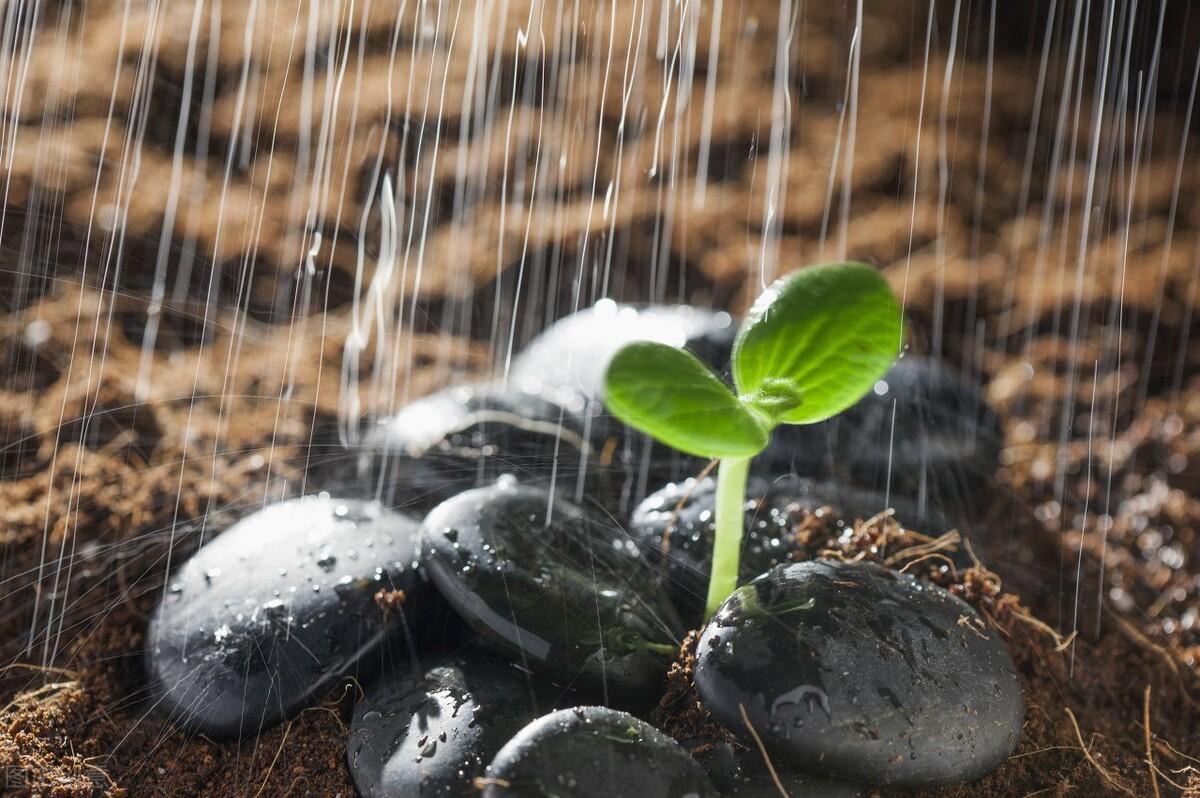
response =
{"points": [[103, 474], [681, 713]]}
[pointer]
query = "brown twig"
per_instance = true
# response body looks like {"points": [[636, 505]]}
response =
{"points": [[878, 518], [930, 556], [971, 553], [1137, 637], [1149, 749], [1174, 752], [1169, 780], [1092, 760], [102, 772], [70, 674], [286, 731], [332, 712], [1047, 749], [995, 624], [606, 454], [762, 749], [482, 781], [33, 695], [1061, 643], [973, 624], [948, 541]]}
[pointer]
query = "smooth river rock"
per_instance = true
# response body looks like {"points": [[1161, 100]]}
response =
{"points": [[566, 364], [594, 752], [740, 772], [467, 436], [268, 616], [684, 515], [567, 361], [862, 673], [554, 587], [925, 431], [431, 734]]}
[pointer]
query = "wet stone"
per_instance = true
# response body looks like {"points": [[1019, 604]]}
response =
{"points": [[942, 450], [566, 364], [556, 588], [467, 436], [267, 617], [432, 734], [684, 515], [594, 751], [739, 772], [863, 673]]}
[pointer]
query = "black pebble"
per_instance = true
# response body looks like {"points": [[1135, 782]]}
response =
{"points": [[567, 361], [570, 595], [772, 511], [941, 452], [740, 772], [467, 436], [594, 751], [265, 619], [863, 673], [432, 734], [566, 364]]}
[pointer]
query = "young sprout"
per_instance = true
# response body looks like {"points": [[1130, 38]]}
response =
{"points": [[813, 344]]}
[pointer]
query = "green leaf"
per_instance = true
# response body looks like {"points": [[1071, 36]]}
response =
{"points": [[816, 341], [670, 395]]}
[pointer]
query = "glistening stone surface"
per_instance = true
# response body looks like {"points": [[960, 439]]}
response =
{"points": [[264, 620], [432, 734], [925, 433], [678, 523], [552, 586], [467, 436], [863, 673], [587, 752], [740, 772], [567, 362]]}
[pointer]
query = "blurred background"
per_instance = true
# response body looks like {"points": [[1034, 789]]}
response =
{"points": [[236, 233]]}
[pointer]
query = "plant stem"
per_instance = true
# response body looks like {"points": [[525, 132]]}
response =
{"points": [[727, 548], [661, 648]]}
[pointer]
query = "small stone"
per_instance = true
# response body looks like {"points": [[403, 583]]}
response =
{"points": [[467, 436], [741, 773], [566, 363], [432, 734], [594, 751], [863, 673], [684, 515], [243, 640], [556, 588], [924, 433]]}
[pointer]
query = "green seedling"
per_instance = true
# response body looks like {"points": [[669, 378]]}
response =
{"points": [[812, 345]]}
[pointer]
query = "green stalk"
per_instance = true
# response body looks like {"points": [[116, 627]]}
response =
{"points": [[661, 648], [727, 548]]}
